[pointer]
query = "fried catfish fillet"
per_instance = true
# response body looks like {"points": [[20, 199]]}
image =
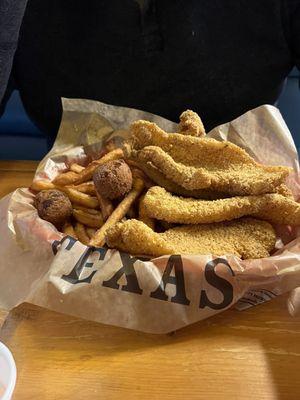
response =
{"points": [[202, 163], [275, 208], [156, 176], [191, 124], [245, 238]]}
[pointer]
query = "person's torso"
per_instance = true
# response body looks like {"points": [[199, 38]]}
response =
{"points": [[215, 57]]}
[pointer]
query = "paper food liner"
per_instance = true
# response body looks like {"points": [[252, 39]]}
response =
{"points": [[40, 266]]}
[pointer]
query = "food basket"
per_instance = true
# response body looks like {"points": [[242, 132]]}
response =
{"points": [[41, 266]]}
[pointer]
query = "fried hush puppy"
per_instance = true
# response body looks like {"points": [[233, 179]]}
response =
{"points": [[113, 179], [53, 206]]}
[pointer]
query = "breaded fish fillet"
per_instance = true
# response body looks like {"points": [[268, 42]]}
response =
{"points": [[275, 208], [245, 238], [202, 163], [285, 191], [191, 124], [156, 176]]}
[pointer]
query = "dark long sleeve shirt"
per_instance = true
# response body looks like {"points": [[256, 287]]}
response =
{"points": [[218, 58]]}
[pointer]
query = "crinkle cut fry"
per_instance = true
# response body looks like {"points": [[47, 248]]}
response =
{"points": [[81, 234], [275, 208], [221, 166], [68, 229], [245, 238]]}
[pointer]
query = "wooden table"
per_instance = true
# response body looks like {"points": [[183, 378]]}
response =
{"points": [[253, 354]]}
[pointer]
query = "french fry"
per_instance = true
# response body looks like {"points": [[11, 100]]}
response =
{"points": [[87, 173], [40, 185], [76, 168], [74, 195], [106, 206], [80, 198], [69, 230], [65, 178], [143, 215], [91, 232], [118, 213], [91, 220], [87, 210], [81, 233], [86, 187]]}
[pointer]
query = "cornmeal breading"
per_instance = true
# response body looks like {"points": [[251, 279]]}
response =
{"points": [[191, 124], [203, 163], [285, 191], [275, 208], [156, 176], [245, 238]]}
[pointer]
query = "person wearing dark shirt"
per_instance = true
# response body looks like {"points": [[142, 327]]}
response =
{"points": [[218, 58]]}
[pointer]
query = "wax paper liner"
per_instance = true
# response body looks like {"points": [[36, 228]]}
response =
{"points": [[40, 266]]}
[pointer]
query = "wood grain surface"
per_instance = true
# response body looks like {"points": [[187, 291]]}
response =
{"points": [[14, 174], [254, 354]]}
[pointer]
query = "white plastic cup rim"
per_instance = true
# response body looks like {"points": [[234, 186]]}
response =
{"points": [[10, 385]]}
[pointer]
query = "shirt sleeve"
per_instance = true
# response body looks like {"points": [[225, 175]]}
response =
{"points": [[11, 14]]}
